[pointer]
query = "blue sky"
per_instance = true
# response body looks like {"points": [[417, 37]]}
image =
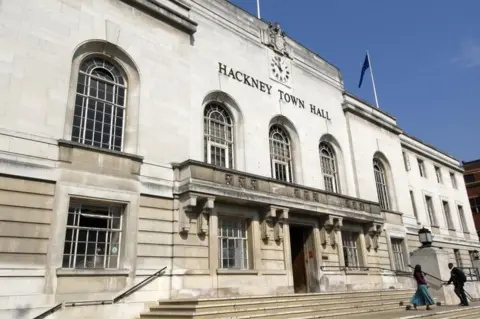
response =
{"points": [[425, 56]]}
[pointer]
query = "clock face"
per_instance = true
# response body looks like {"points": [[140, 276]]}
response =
{"points": [[280, 69]]}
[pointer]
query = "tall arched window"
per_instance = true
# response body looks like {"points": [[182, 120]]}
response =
{"points": [[381, 183], [329, 167], [100, 102], [218, 133], [280, 154]]}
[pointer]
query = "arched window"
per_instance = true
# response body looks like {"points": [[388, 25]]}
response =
{"points": [[381, 183], [218, 133], [329, 167], [280, 154], [100, 101]]}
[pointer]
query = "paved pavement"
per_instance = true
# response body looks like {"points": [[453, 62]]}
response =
{"points": [[402, 313]]}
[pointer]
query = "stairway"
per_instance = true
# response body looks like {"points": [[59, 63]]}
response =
{"points": [[294, 306]]}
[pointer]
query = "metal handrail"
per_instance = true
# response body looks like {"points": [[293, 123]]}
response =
{"points": [[361, 268], [124, 294], [427, 274]]}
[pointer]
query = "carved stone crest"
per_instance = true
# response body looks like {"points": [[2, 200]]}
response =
{"points": [[274, 37]]}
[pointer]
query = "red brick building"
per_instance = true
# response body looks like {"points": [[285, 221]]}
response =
{"points": [[472, 182]]}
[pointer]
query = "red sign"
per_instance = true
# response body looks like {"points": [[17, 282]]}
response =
{"points": [[310, 254]]}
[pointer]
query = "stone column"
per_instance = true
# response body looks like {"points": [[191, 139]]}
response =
{"points": [[364, 251], [213, 246], [390, 250], [287, 253], [256, 243]]}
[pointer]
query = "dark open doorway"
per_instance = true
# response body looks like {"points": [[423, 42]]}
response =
{"points": [[299, 236]]}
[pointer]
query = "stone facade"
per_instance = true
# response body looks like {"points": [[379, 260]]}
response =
{"points": [[189, 134]]}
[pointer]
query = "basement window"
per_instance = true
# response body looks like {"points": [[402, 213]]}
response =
{"points": [[93, 236]]}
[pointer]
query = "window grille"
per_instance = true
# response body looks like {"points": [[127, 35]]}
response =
{"points": [[414, 206], [458, 258], [430, 211], [233, 244], [421, 168], [329, 168], [438, 173], [350, 252], [100, 105], [93, 236], [448, 216], [381, 183], [453, 179], [463, 221], [280, 154], [406, 161], [218, 136], [397, 249]]}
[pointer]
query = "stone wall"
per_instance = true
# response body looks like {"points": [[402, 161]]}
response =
{"points": [[26, 216]]}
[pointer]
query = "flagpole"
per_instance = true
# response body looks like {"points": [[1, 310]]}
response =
{"points": [[258, 9], [373, 80]]}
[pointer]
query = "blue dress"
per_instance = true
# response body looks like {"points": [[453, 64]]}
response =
{"points": [[422, 296]]}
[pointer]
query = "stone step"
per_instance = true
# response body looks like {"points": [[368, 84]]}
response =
{"points": [[277, 304], [290, 297], [439, 313], [285, 311]]}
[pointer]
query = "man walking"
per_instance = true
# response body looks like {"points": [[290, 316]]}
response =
{"points": [[458, 278]]}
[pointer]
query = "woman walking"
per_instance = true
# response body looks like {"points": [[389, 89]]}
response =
{"points": [[421, 296]]}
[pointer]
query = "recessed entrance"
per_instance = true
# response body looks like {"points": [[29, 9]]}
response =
{"points": [[302, 257]]}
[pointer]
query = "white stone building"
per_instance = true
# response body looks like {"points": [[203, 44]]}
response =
{"points": [[138, 134]]}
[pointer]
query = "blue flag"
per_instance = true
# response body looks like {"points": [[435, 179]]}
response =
{"points": [[366, 65]]}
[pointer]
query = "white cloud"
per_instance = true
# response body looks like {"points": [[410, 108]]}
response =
{"points": [[469, 54]]}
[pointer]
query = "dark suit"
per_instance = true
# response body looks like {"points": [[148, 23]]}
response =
{"points": [[457, 277]]}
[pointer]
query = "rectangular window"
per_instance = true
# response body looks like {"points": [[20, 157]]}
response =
{"points": [[430, 211], [469, 178], [414, 206], [448, 216], [93, 236], [406, 161], [463, 221], [218, 154], [397, 249], [453, 179], [350, 252], [421, 168], [475, 204], [458, 258], [438, 173], [281, 171], [472, 258], [232, 243]]}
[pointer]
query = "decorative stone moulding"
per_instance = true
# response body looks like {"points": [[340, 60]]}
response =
{"points": [[274, 220], [189, 210], [328, 233], [373, 232], [202, 220], [274, 37]]}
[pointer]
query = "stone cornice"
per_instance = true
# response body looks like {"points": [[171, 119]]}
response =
{"points": [[428, 151], [230, 185], [230, 16], [162, 12], [349, 106]]}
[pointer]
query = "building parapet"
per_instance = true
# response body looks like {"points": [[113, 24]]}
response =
{"points": [[205, 180], [429, 151]]}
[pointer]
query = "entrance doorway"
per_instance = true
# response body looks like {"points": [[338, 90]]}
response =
{"points": [[302, 257]]}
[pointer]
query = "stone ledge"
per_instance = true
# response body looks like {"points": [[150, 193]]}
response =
{"points": [[164, 13], [22, 272], [70, 144], [63, 272], [236, 272]]}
